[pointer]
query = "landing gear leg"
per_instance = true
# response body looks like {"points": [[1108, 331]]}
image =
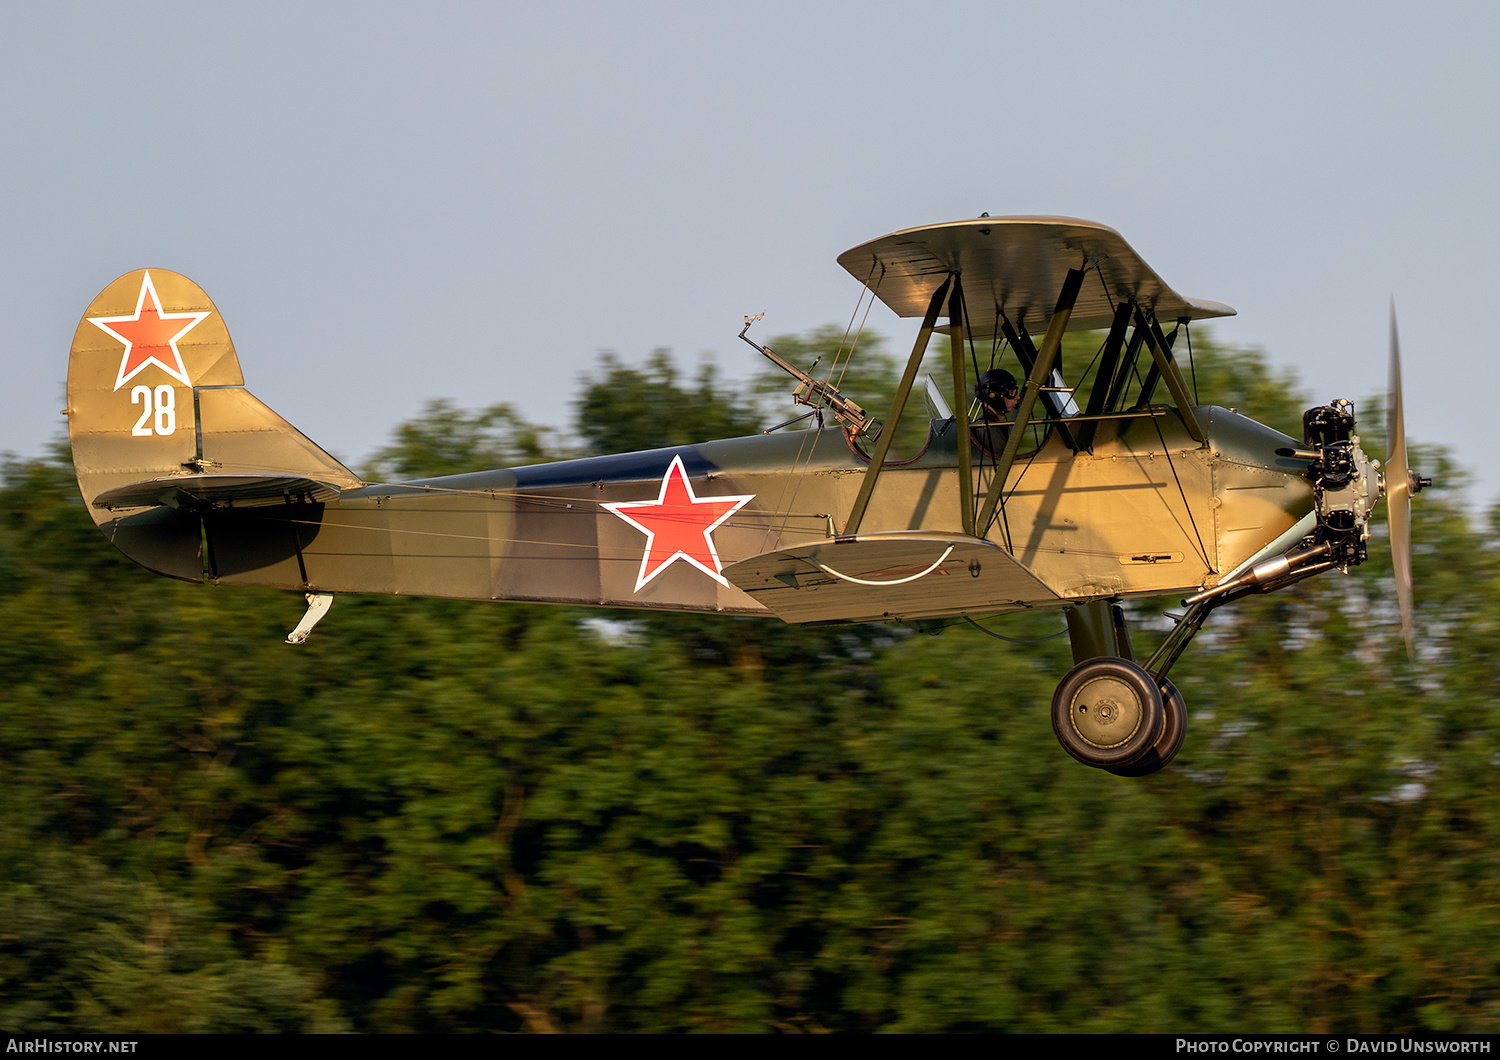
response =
{"points": [[1111, 713]]}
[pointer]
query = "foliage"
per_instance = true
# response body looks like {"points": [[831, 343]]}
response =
{"points": [[1239, 378], [447, 816], [631, 409], [446, 440]]}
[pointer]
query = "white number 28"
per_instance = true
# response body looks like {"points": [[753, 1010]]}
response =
{"points": [[163, 402]]}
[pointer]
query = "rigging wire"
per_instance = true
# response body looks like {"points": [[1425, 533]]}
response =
{"points": [[803, 460], [1187, 330], [1098, 352], [596, 553], [967, 398], [874, 292], [1010, 546], [998, 344], [579, 505], [800, 466], [1031, 459], [833, 364], [1114, 307], [1202, 550], [969, 335], [1140, 384], [1085, 373], [1108, 298], [1013, 640]]}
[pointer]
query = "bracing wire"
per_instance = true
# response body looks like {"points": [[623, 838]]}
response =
{"points": [[1187, 330], [1013, 640], [1202, 550], [874, 291], [839, 353], [804, 454]]}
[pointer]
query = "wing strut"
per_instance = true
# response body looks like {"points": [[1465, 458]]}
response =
{"points": [[1105, 377], [957, 318], [903, 391], [1041, 368], [1123, 373], [1161, 353], [1026, 353]]}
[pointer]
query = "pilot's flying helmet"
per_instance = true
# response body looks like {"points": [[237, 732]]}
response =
{"points": [[994, 388]]}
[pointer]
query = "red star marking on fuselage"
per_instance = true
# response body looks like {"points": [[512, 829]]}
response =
{"points": [[679, 525], [150, 336]]}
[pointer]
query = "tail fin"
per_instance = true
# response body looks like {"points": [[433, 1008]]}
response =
{"points": [[162, 425]]}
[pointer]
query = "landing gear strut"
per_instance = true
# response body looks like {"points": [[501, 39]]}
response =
{"points": [[1105, 710], [1110, 712]]}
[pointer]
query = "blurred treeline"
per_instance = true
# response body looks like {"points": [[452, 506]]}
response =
{"points": [[443, 816]]}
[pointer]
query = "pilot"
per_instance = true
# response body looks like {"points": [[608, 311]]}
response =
{"points": [[998, 394]]}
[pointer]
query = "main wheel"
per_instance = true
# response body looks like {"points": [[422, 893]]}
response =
{"points": [[1107, 712], [1173, 732]]}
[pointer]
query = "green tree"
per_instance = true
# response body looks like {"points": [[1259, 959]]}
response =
{"points": [[449, 816], [446, 440], [629, 409]]}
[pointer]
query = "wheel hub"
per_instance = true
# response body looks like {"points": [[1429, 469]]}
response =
{"points": [[1106, 712]]}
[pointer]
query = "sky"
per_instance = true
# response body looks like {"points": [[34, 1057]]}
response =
{"points": [[390, 203]]}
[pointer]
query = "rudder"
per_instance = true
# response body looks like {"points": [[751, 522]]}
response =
{"points": [[161, 423]]}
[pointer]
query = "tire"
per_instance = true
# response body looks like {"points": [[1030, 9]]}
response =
{"points": [[1173, 732], [1107, 712]]}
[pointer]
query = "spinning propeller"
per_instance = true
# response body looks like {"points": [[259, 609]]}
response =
{"points": [[1400, 483]]}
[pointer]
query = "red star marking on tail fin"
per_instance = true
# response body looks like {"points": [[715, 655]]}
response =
{"points": [[679, 525], [150, 336]]}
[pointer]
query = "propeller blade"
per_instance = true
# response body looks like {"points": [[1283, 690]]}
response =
{"points": [[1398, 493]]}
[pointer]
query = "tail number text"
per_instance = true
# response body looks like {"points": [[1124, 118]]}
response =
{"points": [[159, 414]]}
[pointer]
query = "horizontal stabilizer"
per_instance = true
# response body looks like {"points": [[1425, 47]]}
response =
{"points": [[211, 491], [892, 575]]}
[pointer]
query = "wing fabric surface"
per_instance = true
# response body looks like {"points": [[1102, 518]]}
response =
{"points": [[1016, 266], [896, 575]]}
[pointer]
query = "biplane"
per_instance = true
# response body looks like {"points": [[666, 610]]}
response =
{"points": [[1077, 497]]}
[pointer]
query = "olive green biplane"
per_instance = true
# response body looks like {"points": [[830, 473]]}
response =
{"points": [[1061, 496]]}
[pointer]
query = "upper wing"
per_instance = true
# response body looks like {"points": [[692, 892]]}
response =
{"points": [[1016, 266]]}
